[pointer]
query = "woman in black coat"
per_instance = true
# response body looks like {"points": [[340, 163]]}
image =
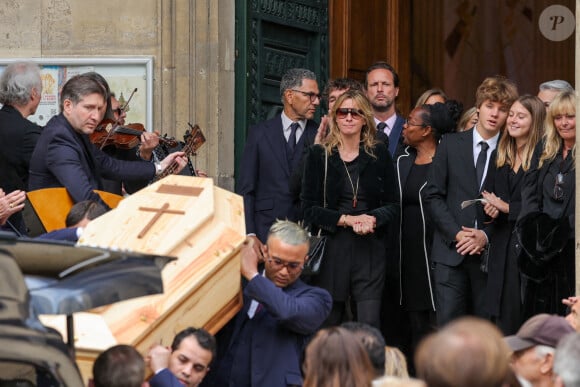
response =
{"points": [[524, 127], [421, 132], [360, 201], [550, 187]]}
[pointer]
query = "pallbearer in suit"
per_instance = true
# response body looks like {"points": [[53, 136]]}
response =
{"points": [[264, 343], [273, 152], [461, 164]]}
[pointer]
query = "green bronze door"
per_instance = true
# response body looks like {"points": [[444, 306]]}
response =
{"points": [[273, 36]]}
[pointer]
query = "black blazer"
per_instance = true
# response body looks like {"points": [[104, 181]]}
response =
{"points": [[18, 136], [533, 188], [265, 175], [452, 179], [377, 177]]}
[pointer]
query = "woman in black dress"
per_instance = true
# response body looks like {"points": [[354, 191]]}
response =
{"points": [[524, 127], [550, 187], [360, 201], [421, 132]]}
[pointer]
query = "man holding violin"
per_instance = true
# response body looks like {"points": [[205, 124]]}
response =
{"points": [[64, 155], [143, 151]]}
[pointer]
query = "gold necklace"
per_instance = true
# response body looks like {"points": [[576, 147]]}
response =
{"points": [[354, 191]]}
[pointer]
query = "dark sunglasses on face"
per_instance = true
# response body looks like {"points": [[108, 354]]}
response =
{"points": [[341, 113]]}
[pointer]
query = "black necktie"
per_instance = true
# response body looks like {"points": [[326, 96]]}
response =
{"points": [[292, 139], [381, 126], [480, 164]]}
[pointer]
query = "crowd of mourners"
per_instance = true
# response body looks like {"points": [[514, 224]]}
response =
{"points": [[449, 233]]}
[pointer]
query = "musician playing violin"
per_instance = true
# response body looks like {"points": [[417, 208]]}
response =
{"points": [[64, 156]]}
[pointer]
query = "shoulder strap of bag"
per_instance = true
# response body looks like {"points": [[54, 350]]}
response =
{"points": [[325, 171]]}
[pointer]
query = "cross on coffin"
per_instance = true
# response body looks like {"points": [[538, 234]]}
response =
{"points": [[158, 212]]}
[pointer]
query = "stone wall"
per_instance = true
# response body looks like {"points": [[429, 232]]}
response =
{"points": [[192, 43]]}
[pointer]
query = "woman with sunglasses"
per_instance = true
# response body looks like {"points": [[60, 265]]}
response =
{"points": [[421, 133], [524, 127], [550, 187], [360, 201]]}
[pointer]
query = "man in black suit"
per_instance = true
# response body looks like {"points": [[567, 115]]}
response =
{"points": [[461, 165], [382, 89], [20, 91], [64, 155], [273, 152]]}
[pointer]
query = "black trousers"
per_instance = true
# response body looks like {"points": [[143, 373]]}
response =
{"points": [[460, 290]]}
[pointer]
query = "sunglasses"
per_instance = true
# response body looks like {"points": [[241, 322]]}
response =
{"points": [[342, 113]]}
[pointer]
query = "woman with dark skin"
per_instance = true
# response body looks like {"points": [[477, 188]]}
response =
{"points": [[421, 133]]}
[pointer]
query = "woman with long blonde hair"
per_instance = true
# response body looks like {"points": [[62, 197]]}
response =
{"points": [[348, 192], [549, 190], [524, 128]]}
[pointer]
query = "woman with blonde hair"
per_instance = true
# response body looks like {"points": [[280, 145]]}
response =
{"points": [[348, 191], [336, 358], [430, 97], [524, 127], [548, 195]]}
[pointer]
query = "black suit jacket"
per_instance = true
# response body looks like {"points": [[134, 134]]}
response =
{"points": [[265, 175], [66, 158], [452, 179], [377, 177], [18, 136]]}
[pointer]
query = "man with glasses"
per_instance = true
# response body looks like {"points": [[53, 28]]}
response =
{"points": [[263, 344], [273, 152]]}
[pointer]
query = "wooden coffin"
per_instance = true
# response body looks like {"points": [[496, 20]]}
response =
{"points": [[182, 216]]}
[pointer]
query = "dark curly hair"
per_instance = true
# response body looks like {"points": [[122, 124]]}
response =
{"points": [[441, 117]]}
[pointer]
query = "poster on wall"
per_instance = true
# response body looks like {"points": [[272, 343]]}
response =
{"points": [[128, 78]]}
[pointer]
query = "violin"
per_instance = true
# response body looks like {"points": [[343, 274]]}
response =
{"points": [[122, 136]]}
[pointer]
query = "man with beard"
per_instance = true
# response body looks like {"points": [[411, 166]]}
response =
{"points": [[382, 89]]}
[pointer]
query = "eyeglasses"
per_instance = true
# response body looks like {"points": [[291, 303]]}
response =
{"points": [[409, 123], [356, 114], [118, 110], [558, 193], [312, 95], [292, 267]]}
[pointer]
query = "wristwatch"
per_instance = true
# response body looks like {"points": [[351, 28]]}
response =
{"points": [[158, 168]]}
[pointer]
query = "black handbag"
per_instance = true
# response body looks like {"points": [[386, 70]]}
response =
{"points": [[318, 241]]}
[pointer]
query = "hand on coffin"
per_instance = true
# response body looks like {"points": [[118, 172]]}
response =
{"points": [[178, 158], [158, 357], [250, 258], [10, 204]]}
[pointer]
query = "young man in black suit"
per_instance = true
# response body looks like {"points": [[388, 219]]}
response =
{"points": [[462, 163]]}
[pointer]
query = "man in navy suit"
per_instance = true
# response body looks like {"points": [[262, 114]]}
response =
{"points": [[454, 177], [186, 363], [382, 89], [273, 152], [263, 344], [64, 155]]}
